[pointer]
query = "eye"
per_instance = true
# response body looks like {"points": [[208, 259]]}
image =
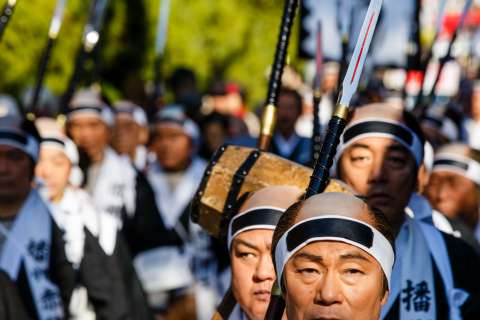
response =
{"points": [[308, 271], [245, 255], [354, 271]]}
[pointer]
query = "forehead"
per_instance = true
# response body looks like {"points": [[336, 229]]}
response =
{"points": [[333, 251], [85, 119], [169, 128], [258, 238], [124, 118], [378, 144], [52, 152], [10, 149]]}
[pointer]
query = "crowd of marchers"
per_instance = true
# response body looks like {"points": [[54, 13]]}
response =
{"points": [[95, 209]]}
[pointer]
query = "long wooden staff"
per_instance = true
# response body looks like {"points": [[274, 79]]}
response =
{"points": [[321, 177], [6, 15], [422, 108], [55, 25], [317, 97], [275, 83], [91, 36]]}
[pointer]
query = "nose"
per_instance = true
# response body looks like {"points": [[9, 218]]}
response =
{"points": [[328, 290], [377, 174], [264, 270], [4, 165]]}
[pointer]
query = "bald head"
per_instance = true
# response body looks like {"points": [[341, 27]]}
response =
{"points": [[460, 150], [335, 204], [384, 111], [275, 196]]}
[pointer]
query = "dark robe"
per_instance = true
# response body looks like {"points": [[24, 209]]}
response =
{"points": [[465, 265], [11, 306]]}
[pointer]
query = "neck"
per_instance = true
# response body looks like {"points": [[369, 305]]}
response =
{"points": [[397, 224], [97, 158], [57, 197], [132, 154], [286, 135], [9, 209]]}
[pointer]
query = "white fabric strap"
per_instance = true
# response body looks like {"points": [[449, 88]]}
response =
{"points": [[29, 242], [455, 163], [254, 226], [380, 247], [415, 146]]}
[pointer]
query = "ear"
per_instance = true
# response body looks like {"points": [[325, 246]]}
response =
{"points": [[385, 298]]}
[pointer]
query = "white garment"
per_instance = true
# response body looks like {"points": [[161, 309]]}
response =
{"points": [[141, 157], [29, 243], [472, 128], [114, 187], [172, 203]]}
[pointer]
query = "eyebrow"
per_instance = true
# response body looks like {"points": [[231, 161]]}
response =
{"points": [[245, 243], [309, 256], [360, 145], [354, 256], [397, 147]]}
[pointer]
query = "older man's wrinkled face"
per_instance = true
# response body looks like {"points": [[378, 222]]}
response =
{"points": [[455, 196], [252, 271], [383, 171], [333, 280]]}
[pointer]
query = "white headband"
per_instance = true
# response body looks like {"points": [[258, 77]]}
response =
{"points": [[380, 127], [334, 228], [103, 113], [62, 144], [455, 163], [21, 141], [261, 217], [134, 112]]}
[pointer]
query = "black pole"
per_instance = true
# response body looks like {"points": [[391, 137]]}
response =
{"points": [[7, 13], [275, 83], [41, 75]]}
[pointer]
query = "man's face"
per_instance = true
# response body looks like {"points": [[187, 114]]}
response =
{"points": [[455, 196], [287, 114], [53, 168], [15, 174], [333, 280], [126, 135], [252, 271], [172, 147], [383, 171], [90, 134]]}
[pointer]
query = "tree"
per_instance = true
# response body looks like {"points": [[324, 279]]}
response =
{"points": [[232, 40]]}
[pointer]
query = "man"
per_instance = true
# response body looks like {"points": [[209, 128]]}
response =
{"points": [[454, 186], [87, 234], [31, 247], [130, 133], [112, 182], [434, 274], [170, 244], [249, 242], [286, 142], [333, 257]]}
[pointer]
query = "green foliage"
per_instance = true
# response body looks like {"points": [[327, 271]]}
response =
{"points": [[225, 39]]}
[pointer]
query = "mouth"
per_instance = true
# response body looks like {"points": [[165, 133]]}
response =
{"points": [[379, 197], [262, 295]]}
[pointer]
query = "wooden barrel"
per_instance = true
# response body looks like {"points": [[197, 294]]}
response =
{"points": [[235, 170]]}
